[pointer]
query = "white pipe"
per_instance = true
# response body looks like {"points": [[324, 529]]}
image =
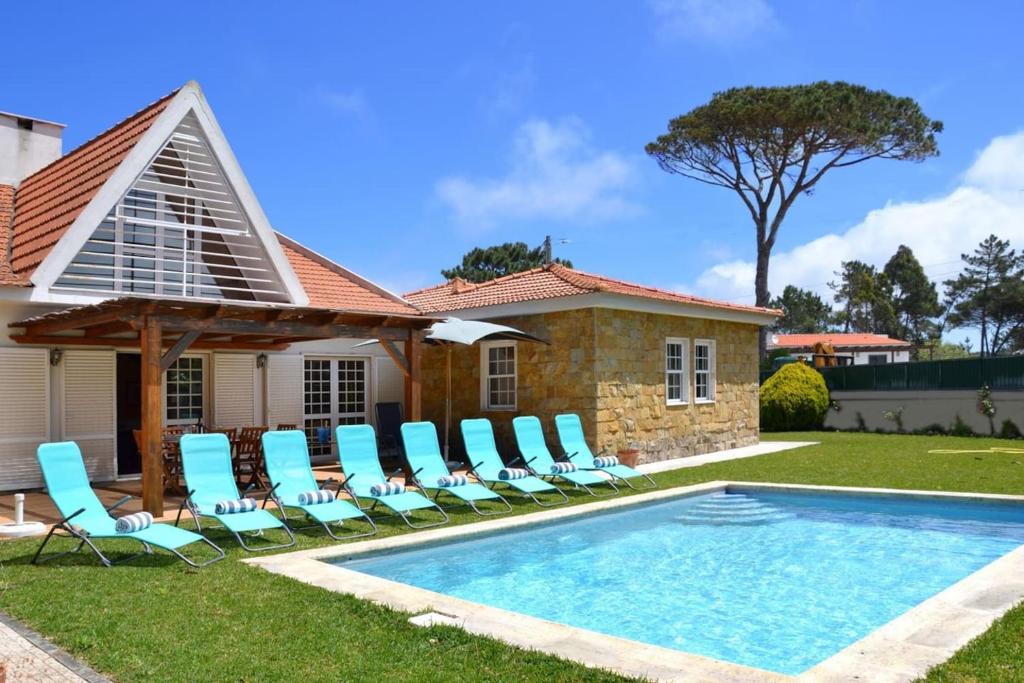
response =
{"points": [[19, 508]]}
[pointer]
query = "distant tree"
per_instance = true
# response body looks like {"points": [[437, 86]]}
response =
{"points": [[803, 311], [480, 265], [988, 295], [915, 301], [770, 145], [864, 296], [938, 350]]}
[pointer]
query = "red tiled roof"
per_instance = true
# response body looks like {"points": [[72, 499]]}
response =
{"points": [[329, 285], [7, 276], [50, 199], [836, 339], [550, 282]]}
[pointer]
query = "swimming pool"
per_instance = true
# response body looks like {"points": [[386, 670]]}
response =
{"points": [[773, 580]]}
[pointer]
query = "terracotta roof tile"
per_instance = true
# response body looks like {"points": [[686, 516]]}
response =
{"points": [[7, 276], [329, 285], [550, 282], [836, 339], [50, 199]]}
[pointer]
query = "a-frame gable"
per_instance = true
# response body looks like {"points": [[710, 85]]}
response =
{"points": [[176, 219]]}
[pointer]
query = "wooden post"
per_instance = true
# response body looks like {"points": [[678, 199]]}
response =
{"points": [[152, 418], [413, 381]]}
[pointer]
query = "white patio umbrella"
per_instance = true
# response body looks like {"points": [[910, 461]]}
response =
{"points": [[452, 331]]}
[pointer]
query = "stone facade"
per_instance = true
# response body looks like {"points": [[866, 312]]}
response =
{"points": [[608, 366]]}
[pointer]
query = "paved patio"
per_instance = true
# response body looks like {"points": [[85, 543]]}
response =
{"points": [[31, 658]]}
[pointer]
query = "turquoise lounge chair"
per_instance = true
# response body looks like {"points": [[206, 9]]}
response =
{"points": [[287, 460], [570, 434], [85, 518], [535, 453], [424, 455], [357, 451], [485, 463], [209, 479]]}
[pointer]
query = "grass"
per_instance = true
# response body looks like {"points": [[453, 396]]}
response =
{"points": [[155, 619]]}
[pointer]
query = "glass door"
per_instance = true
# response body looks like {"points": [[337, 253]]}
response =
{"points": [[335, 393]]}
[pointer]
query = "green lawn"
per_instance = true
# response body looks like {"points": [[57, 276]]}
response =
{"points": [[155, 619]]}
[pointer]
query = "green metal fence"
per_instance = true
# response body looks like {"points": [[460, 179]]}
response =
{"points": [[1003, 373]]}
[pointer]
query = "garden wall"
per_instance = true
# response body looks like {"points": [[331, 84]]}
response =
{"points": [[923, 408]]}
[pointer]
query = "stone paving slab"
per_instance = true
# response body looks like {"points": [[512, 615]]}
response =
{"points": [[30, 658], [763, 448]]}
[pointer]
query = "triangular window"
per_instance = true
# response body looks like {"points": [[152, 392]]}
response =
{"points": [[179, 231]]}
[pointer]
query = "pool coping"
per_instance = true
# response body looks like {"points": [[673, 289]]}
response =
{"points": [[901, 650]]}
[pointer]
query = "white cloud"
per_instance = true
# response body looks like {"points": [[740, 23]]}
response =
{"points": [[351, 102], [554, 174], [724, 22], [989, 200]]}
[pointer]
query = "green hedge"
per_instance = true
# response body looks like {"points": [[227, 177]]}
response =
{"points": [[794, 398]]}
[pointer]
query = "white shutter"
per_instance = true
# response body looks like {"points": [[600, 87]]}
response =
{"points": [[89, 409], [234, 381], [284, 389], [24, 415], [713, 376]]}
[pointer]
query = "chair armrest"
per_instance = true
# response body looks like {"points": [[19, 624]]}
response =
{"points": [[118, 503]]}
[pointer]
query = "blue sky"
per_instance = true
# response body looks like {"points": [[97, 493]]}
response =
{"points": [[393, 137]]}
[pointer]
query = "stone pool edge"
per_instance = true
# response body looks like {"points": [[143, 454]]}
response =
{"points": [[901, 650]]}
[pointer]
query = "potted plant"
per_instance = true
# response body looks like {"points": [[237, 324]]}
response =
{"points": [[629, 456]]}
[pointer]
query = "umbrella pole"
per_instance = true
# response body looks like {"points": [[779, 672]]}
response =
{"points": [[447, 397]]}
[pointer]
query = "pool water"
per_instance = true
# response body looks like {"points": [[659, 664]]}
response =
{"points": [[778, 581]]}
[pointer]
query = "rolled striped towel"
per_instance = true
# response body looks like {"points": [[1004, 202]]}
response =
{"points": [[231, 507], [508, 473], [316, 497], [453, 480], [134, 522], [606, 461], [563, 467], [388, 488]]}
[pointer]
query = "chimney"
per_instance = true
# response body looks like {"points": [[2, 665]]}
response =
{"points": [[26, 145]]}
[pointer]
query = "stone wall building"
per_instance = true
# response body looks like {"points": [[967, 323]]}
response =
{"points": [[667, 374]]}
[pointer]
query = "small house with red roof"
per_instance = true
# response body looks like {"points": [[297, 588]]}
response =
{"points": [[861, 348], [142, 259], [664, 373]]}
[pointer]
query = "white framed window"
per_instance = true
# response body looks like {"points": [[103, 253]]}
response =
{"points": [[335, 392], [704, 370], [498, 375], [185, 388], [677, 382]]}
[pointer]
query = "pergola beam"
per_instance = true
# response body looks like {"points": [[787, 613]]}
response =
{"points": [[282, 328], [133, 343], [413, 379], [152, 418], [173, 353]]}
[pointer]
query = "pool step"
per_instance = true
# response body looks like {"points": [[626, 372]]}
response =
{"points": [[732, 510]]}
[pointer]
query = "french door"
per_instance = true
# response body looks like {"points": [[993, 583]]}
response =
{"points": [[335, 392]]}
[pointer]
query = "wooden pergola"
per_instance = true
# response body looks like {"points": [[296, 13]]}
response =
{"points": [[164, 329]]}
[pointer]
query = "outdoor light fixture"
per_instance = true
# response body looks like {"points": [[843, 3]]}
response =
{"points": [[261, 361], [55, 356]]}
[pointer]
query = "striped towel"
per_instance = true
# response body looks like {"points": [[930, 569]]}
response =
{"points": [[562, 467], [606, 461], [507, 473], [388, 488], [453, 480], [231, 507], [316, 497], [133, 522]]}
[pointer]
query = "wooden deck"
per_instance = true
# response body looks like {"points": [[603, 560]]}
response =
{"points": [[39, 507]]}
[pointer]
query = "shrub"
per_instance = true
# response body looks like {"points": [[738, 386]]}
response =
{"points": [[1009, 430], [960, 428], [935, 429], [793, 398]]}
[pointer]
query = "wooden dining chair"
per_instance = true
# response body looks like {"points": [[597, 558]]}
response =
{"points": [[171, 457], [286, 427], [250, 455]]}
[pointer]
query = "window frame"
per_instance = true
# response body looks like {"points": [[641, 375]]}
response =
{"points": [[204, 378], [683, 372], [485, 376], [711, 372]]}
